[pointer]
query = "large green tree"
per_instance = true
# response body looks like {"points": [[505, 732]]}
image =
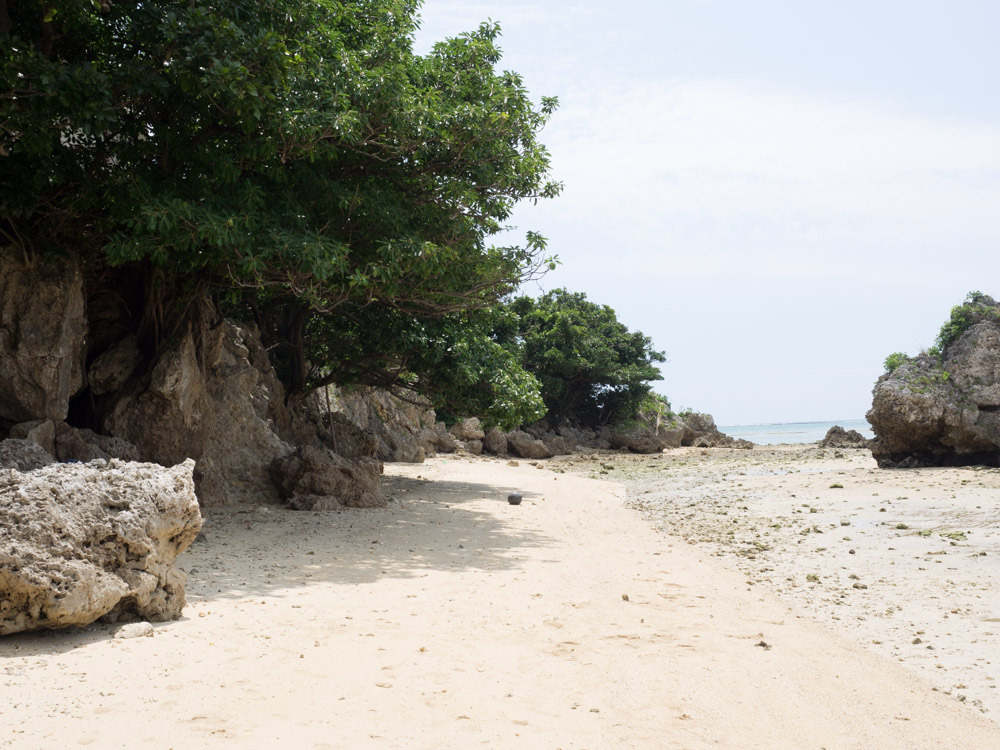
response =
{"points": [[294, 158], [591, 367]]}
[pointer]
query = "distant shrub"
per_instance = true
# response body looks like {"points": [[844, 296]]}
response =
{"points": [[977, 306], [655, 404], [894, 360]]}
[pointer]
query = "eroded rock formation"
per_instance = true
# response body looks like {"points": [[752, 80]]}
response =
{"points": [[42, 336], [404, 432], [80, 542], [315, 479], [921, 417], [700, 432], [207, 399], [524, 445], [643, 438], [23, 455], [838, 437], [943, 410]]}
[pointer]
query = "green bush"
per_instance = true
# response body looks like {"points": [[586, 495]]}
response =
{"points": [[977, 306], [894, 360]]}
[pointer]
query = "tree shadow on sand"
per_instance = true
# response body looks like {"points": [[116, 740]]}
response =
{"points": [[266, 551], [427, 526]]}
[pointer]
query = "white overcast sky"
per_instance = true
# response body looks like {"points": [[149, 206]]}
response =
{"points": [[779, 192]]}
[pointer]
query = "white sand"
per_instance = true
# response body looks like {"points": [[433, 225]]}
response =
{"points": [[906, 563], [454, 620]]}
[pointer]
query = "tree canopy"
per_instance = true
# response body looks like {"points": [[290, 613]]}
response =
{"points": [[591, 368], [295, 159]]}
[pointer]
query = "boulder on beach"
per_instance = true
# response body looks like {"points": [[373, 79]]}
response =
{"points": [[644, 438], [522, 444], [468, 429], [81, 542], [495, 442], [943, 409], [838, 437], [700, 432], [312, 478]]}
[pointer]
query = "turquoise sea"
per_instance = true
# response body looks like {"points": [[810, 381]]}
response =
{"points": [[793, 432]]}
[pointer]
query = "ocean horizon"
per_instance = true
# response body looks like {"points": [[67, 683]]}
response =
{"points": [[793, 432]]}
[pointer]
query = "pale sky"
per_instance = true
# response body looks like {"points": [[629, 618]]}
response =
{"points": [[779, 192]]}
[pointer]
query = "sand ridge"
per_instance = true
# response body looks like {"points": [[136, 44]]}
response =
{"points": [[452, 619]]}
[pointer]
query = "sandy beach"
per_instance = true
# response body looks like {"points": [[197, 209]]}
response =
{"points": [[905, 562], [691, 600]]}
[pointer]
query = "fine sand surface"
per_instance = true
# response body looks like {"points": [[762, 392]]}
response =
{"points": [[904, 562], [454, 620]]}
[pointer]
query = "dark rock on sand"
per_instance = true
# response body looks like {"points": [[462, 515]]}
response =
{"points": [[838, 437], [316, 479]]}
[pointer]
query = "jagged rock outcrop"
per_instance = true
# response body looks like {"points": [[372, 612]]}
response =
{"points": [[42, 432], [315, 479], [468, 429], [557, 445], [405, 432], [495, 442], [643, 438], [475, 447], [524, 445], [80, 542], [42, 336], [945, 411], [700, 432], [345, 438], [584, 438], [208, 399], [66, 443], [647, 434], [838, 437], [439, 440], [112, 369], [23, 455], [85, 445]]}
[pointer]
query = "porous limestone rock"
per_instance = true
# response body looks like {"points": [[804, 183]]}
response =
{"points": [[575, 434], [495, 442], [442, 441], [404, 432], [700, 432], [73, 444], [79, 542], [838, 437], [556, 444], [945, 411], [43, 330], [312, 478], [23, 455], [112, 369], [644, 438], [207, 399], [468, 429], [524, 445], [42, 432], [134, 630], [345, 438]]}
